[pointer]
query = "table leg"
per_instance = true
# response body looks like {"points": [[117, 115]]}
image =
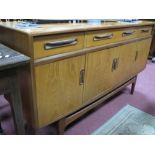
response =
{"points": [[16, 106]]}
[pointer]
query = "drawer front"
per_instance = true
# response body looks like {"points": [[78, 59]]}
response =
{"points": [[56, 44], [127, 34], [99, 38], [144, 31]]}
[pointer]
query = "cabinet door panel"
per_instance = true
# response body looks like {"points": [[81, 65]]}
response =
{"points": [[143, 48], [58, 90], [125, 69], [132, 59], [99, 77]]}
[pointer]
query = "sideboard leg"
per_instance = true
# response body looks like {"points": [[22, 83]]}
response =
{"points": [[61, 126], [133, 86]]}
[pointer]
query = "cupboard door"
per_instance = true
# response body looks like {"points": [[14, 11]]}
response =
{"points": [[99, 75], [125, 65], [141, 54], [58, 88], [132, 60]]}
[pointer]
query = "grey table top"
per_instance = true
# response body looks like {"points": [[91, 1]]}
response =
{"points": [[10, 58]]}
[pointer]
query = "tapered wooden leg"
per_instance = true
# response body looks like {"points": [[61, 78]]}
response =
{"points": [[133, 86], [16, 106], [61, 126]]}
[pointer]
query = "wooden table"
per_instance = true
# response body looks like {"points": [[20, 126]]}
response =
{"points": [[10, 65]]}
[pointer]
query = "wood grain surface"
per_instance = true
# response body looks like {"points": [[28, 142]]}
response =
{"points": [[57, 89]]}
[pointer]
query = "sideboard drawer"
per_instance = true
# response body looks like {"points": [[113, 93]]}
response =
{"points": [[56, 44], [103, 37], [143, 31], [130, 33]]}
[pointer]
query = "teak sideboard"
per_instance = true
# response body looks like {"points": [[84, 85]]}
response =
{"points": [[75, 67]]}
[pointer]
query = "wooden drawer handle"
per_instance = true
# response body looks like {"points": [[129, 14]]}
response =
{"points": [[127, 33], [102, 37], [58, 44], [145, 30]]}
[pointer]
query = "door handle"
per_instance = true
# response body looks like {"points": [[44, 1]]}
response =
{"points": [[136, 56], [115, 64], [82, 74]]}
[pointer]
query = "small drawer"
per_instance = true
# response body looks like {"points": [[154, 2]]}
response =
{"points": [[99, 38], [56, 44], [102, 37], [144, 31], [129, 33]]}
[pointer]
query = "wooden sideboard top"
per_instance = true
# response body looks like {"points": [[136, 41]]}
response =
{"points": [[46, 29]]}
